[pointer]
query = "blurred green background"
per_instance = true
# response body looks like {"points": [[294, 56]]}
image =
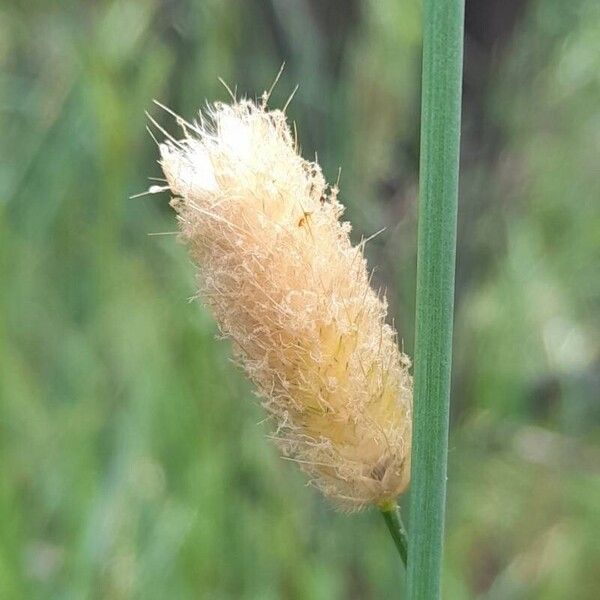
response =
{"points": [[133, 461]]}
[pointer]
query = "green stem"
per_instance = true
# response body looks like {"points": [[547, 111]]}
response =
{"points": [[440, 138], [393, 520]]}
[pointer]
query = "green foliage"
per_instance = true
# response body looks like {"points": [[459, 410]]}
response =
{"points": [[443, 33], [133, 460]]}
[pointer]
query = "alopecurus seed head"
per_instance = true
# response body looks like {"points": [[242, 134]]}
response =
{"points": [[288, 288]]}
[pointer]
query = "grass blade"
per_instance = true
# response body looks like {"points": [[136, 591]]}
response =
{"points": [[440, 140]]}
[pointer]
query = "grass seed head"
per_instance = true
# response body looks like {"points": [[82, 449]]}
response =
{"points": [[288, 288]]}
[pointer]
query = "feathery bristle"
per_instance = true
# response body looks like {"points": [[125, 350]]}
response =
{"points": [[291, 292]]}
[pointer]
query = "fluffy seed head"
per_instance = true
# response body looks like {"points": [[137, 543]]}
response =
{"points": [[288, 288]]}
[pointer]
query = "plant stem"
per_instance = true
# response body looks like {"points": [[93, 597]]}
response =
{"points": [[393, 520], [440, 141]]}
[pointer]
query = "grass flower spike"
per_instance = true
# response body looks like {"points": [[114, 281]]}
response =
{"points": [[288, 288]]}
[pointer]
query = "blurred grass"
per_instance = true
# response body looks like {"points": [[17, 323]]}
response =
{"points": [[133, 461]]}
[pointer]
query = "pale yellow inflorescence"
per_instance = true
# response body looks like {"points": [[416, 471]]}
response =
{"points": [[291, 292]]}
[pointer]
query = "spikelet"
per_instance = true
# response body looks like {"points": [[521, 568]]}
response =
{"points": [[287, 287]]}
